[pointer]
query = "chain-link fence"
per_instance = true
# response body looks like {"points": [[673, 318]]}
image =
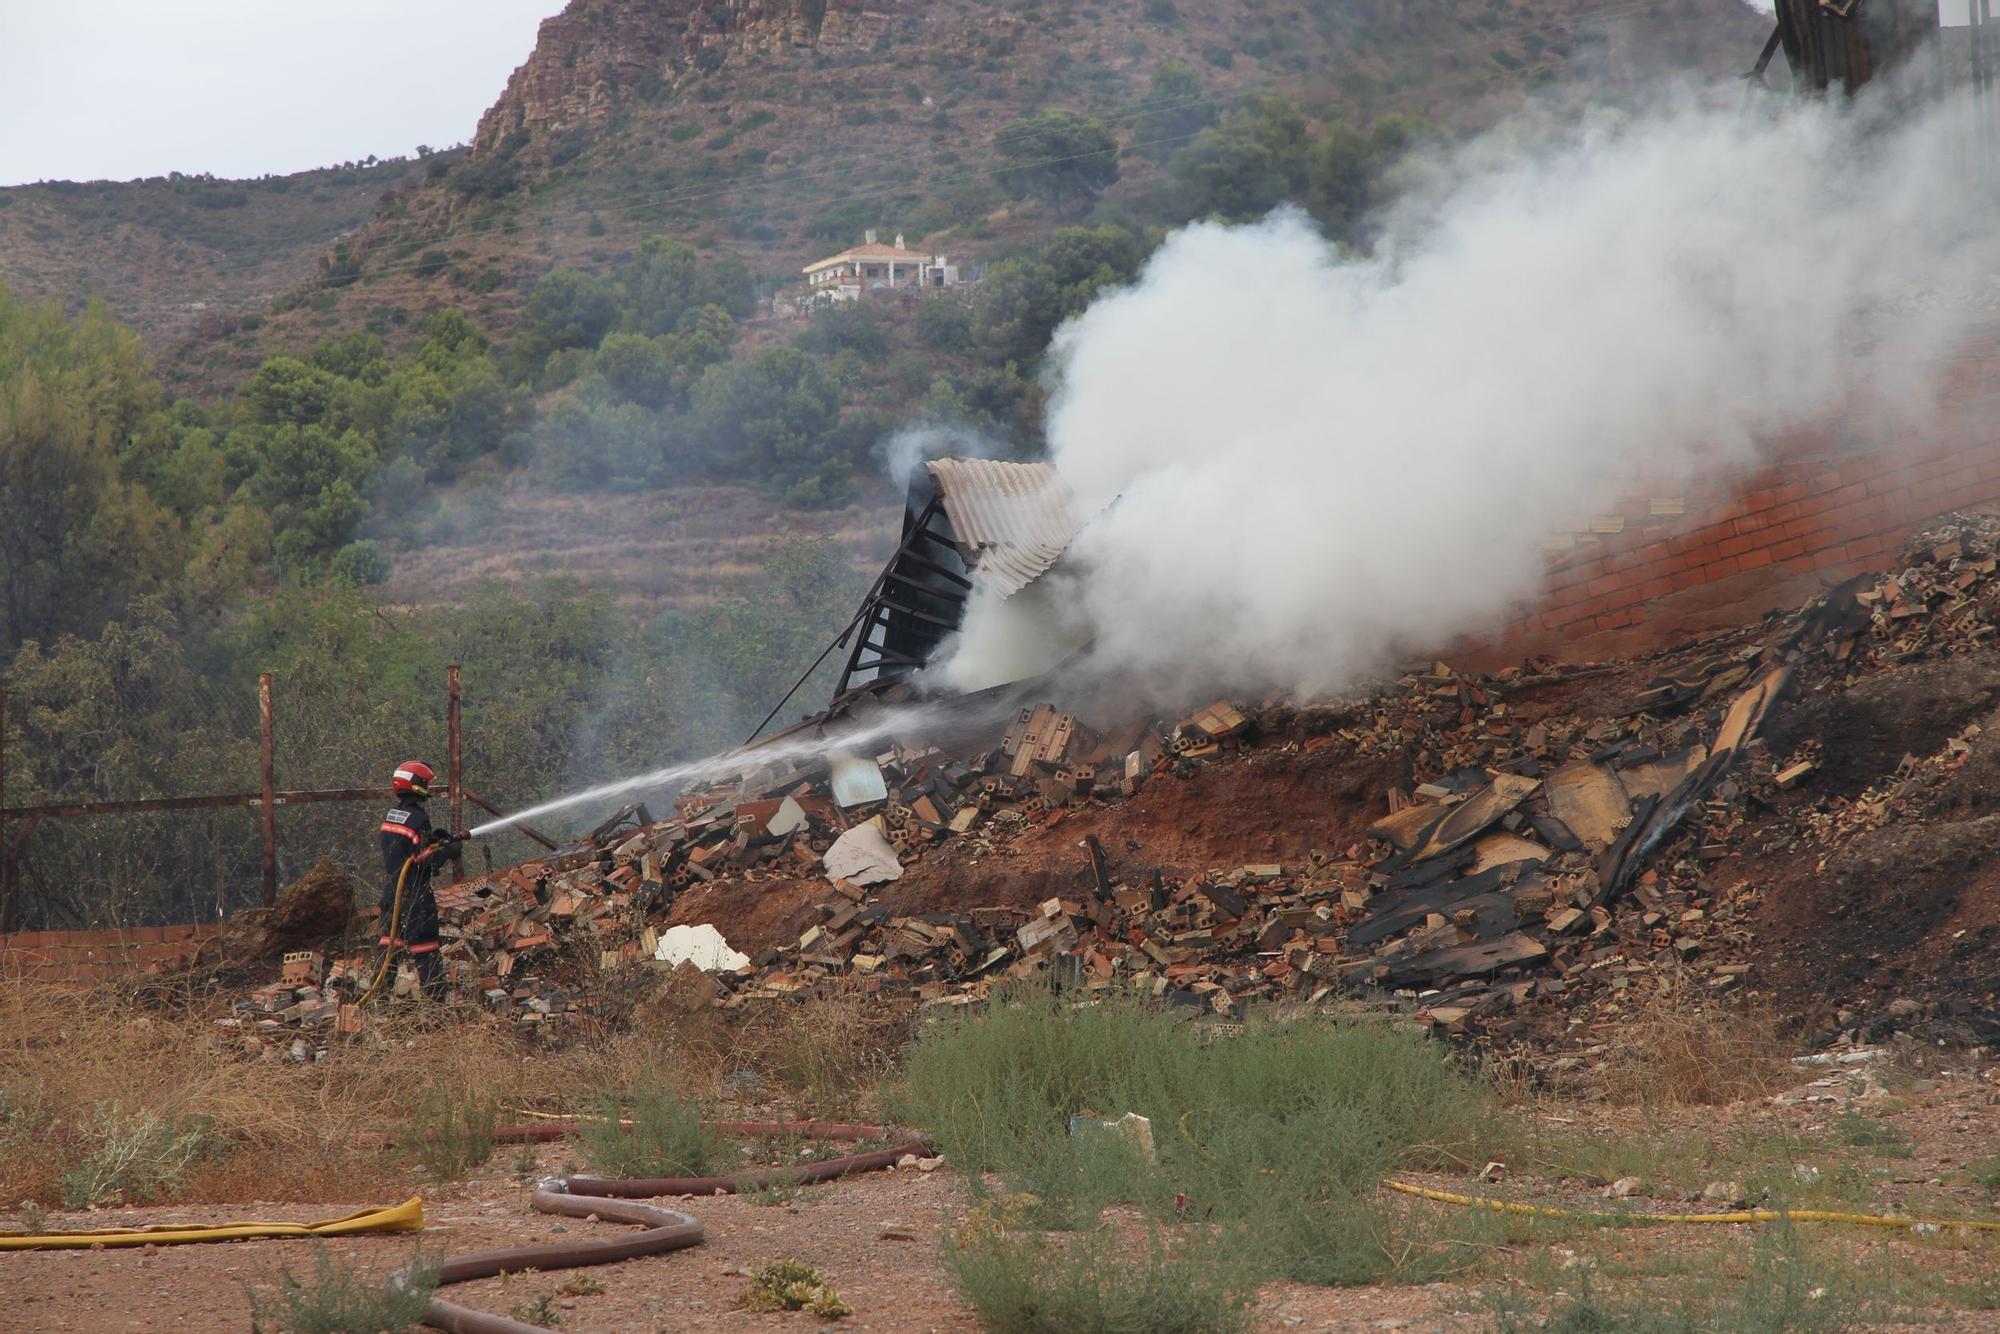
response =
{"points": [[131, 798]]}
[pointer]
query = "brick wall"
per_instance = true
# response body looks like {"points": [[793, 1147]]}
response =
{"points": [[1834, 499], [92, 956]]}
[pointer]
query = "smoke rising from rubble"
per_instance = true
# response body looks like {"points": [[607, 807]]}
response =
{"points": [[1305, 465]]}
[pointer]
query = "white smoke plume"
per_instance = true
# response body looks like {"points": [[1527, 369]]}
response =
{"points": [[912, 447], [1305, 464]]}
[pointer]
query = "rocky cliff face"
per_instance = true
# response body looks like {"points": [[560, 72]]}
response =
{"points": [[596, 53]]}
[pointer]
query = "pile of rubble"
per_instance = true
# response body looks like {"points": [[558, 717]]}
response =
{"points": [[1579, 859]]}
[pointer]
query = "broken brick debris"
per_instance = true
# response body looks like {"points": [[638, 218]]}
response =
{"points": [[1544, 872]]}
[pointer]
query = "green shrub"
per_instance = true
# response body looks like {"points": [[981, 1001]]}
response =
{"points": [[1030, 1283], [360, 564], [133, 1157], [665, 1138], [1284, 1129], [341, 1301]]}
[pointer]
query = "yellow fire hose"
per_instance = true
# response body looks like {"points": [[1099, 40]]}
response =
{"points": [[1738, 1216], [1614, 1219], [405, 1217], [389, 929]]}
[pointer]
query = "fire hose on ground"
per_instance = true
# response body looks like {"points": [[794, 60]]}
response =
{"points": [[1731, 1216], [611, 1199], [665, 1230], [607, 1199]]}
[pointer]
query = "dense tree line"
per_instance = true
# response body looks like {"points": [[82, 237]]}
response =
{"points": [[156, 555], [562, 689]]}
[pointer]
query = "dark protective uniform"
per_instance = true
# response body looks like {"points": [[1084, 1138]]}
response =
{"points": [[407, 836]]}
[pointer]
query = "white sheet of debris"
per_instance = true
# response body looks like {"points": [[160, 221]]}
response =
{"points": [[863, 856], [788, 817], [702, 946], [856, 779]]}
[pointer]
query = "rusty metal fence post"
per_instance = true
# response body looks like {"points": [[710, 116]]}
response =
{"points": [[20, 818], [454, 775], [269, 805], [8, 916]]}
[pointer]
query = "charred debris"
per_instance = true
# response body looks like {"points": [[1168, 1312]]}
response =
{"points": [[1546, 869]]}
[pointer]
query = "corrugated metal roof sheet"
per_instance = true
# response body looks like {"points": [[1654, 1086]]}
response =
{"points": [[1012, 520]]}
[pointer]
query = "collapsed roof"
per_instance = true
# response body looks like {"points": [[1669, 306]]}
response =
{"points": [[968, 524], [1849, 43]]}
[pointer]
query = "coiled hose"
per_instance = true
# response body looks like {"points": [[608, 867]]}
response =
{"points": [[609, 1199]]}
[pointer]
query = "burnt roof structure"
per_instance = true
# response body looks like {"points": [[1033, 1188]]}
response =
{"points": [[1848, 43], [967, 524]]}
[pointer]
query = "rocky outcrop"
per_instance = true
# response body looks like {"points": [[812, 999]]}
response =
{"points": [[597, 53]]}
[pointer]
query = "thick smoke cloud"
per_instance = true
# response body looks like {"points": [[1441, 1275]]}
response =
{"points": [[1304, 464]]}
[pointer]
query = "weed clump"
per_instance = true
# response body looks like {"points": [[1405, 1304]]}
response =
{"points": [[338, 1300], [453, 1134], [664, 1137], [134, 1157], [1091, 1283], [1784, 1289], [541, 1311], [1683, 1056], [1864, 1132], [792, 1285]]}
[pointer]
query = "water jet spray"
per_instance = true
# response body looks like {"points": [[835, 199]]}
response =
{"points": [[826, 741]]}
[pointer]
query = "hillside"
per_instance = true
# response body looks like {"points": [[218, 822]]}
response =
{"points": [[680, 548], [777, 133], [182, 257]]}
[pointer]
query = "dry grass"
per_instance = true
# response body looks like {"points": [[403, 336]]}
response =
{"points": [[1682, 1055], [826, 1056], [341, 1128]]}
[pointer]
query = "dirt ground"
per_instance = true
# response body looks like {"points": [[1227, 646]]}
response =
{"points": [[894, 1284], [1867, 1137]]}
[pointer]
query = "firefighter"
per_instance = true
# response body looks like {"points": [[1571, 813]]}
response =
{"points": [[407, 836]]}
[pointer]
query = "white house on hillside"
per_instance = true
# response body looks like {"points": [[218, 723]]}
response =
{"points": [[871, 267]]}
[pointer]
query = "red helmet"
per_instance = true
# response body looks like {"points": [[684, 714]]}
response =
{"points": [[414, 777]]}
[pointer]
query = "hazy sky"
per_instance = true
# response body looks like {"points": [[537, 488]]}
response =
{"points": [[112, 89]]}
